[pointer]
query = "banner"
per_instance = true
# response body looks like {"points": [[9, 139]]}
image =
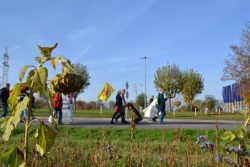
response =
{"points": [[151, 111], [106, 92], [67, 109]]}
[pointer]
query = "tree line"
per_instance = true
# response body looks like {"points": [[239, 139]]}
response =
{"points": [[172, 81]]}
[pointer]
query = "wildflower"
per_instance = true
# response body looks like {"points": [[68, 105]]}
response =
{"points": [[246, 153], [160, 159], [228, 161], [203, 146], [219, 158], [207, 144], [237, 150], [200, 137]]}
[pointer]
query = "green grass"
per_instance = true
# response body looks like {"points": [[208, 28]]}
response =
{"points": [[79, 138], [169, 115], [79, 135]]}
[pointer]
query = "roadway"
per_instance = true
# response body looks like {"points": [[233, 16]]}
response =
{"points": [[169, 123]]}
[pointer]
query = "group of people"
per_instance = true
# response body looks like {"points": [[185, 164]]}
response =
{"points": [[120, 106], [161, 106], [5, 94]]}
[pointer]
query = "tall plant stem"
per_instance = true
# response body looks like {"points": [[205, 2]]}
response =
{"points": [[27, 124], [26, 139], [247, 121]]}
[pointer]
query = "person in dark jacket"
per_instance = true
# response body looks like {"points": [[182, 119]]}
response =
{"points": [[4, 95], [118, 107], [58, 107], [162, 106], [124, 105]]}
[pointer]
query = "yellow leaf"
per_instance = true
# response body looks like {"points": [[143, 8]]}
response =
{"points": [[44, 137], [15, 119], [53, 62], [12, 101], [12, 157], [22, 73]]}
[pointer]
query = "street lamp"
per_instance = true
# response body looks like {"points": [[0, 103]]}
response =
{"points": [[145, 80]]}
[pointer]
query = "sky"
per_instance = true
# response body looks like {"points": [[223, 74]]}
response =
{"points": [[111, 36]]}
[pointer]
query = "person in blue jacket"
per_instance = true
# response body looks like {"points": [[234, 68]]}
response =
{"points": [[162, 106]]}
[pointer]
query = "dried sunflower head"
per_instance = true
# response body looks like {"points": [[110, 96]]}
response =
{"points": [[46, 51], [66, 83]]}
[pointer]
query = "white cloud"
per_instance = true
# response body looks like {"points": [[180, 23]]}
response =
{"points": [[77, 34], [82, 53]]}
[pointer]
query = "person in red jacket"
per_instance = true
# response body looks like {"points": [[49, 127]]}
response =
{"points": [[58, 107]]}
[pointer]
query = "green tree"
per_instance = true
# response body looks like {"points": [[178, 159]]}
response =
{"points": [[169, 80], [140, 99], [192, 86], [210, 102], [82, 71]]}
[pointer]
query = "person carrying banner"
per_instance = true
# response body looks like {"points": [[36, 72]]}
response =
{"points": [[118, 108], [124, 105]]}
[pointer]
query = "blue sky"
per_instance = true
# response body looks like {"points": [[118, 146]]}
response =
{"points": [[110, 36]]}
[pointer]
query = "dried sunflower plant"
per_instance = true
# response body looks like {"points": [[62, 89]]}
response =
{"points": [[44, 137]]}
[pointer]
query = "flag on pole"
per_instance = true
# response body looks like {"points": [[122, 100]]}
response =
{"points": [[106, 92]]}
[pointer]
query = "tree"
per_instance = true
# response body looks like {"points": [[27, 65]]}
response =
{"points": [[177, 103], [221, 104], [140, 99], [111, 104], [169, 80], [199, 104], [136, 89], [82, 71], [93, 104], [80, 104], [238, 65], [192, 86], [210, 102], [39, 103]]}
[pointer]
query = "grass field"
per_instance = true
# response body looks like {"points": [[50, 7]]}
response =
{"points": [[162, 143], [169, 115]]}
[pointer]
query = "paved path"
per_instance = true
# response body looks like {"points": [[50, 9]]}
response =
{"points": [[169, 123]]}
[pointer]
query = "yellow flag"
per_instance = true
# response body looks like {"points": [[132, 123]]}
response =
{"points": [[106, 92]]}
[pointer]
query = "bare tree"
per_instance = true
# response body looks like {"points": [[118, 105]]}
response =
{"points": [[111, 104], [238, 65], [136, 89]]}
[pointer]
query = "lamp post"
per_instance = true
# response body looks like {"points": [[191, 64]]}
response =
{"points": [[145, 80]]}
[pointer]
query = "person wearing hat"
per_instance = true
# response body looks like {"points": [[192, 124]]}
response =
{"points": [[118, 107], [162, 106]]}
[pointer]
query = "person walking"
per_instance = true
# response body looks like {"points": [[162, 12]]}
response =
{"points": [[24, 112], [118, 107], [162, 106], [149, 102], [124, 105], [4, 95], [58, 107]]}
